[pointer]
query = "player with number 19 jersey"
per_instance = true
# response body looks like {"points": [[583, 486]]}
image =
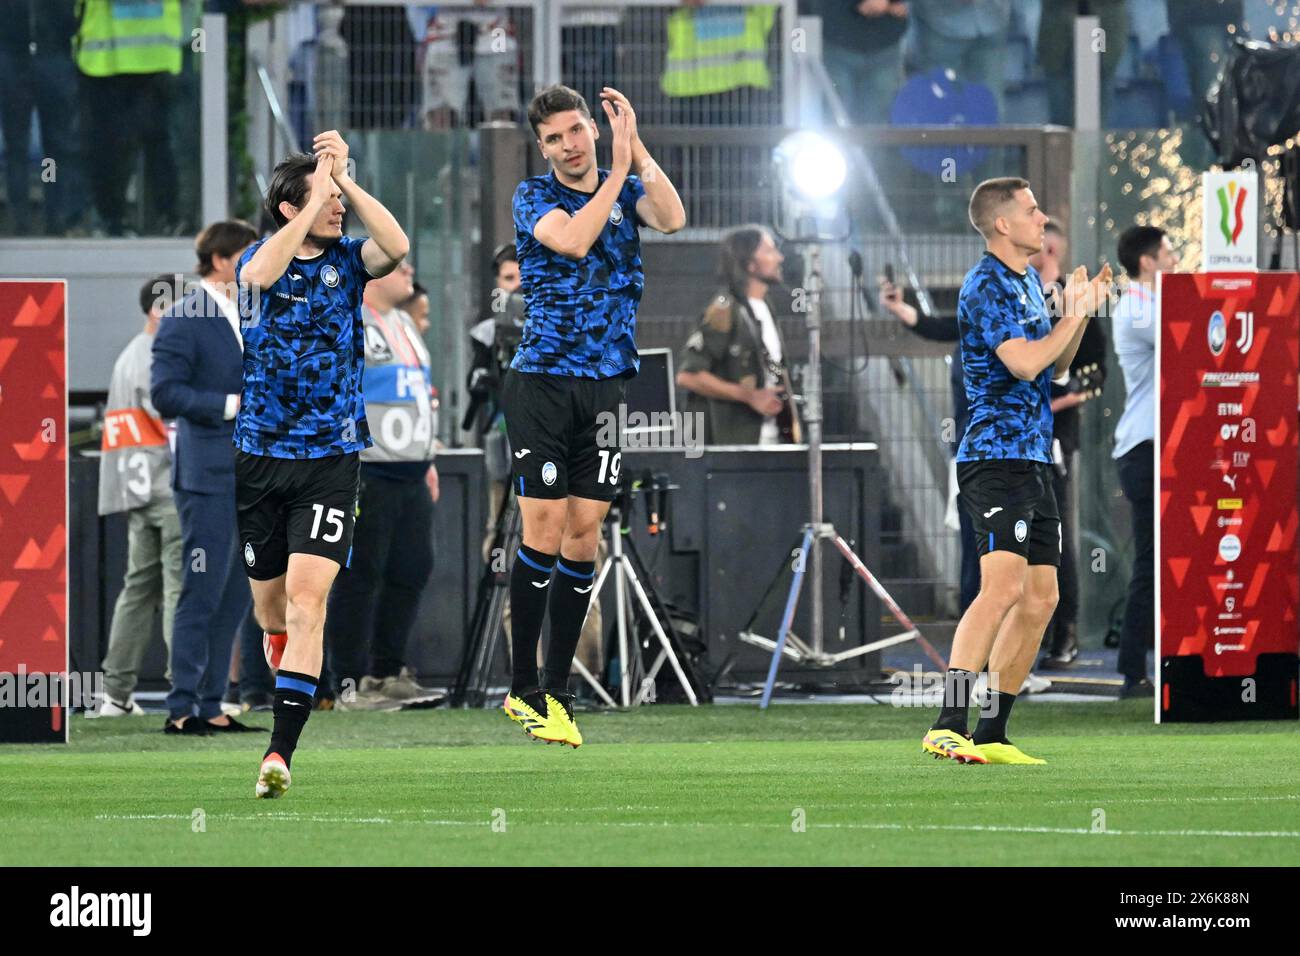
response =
{"points": [[578, 347]]}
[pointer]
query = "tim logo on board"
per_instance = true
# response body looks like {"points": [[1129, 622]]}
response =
{"points": [[1230, 221]]}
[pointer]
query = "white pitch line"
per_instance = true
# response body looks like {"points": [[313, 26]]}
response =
{"points": [[667, 824], [982, 828], [288, 817], [1244, 798]]}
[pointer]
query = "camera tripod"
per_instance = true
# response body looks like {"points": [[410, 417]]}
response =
{"points": [[623, 564], [627, 569], [817, 531], [485, 629]]}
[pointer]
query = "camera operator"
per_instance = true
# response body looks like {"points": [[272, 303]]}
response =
{"points": [[493, 341], [733, 365]]}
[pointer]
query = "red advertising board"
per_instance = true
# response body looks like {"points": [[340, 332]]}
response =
{"points": [[1227, 570], [33, 508]]}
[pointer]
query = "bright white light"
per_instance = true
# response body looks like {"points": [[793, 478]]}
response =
{"points": [[813, 165]]}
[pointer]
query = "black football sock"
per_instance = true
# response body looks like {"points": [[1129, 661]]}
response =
{"points": [[957, 687], [294, 697], [570, 596], [529, 580], [992, 726]]}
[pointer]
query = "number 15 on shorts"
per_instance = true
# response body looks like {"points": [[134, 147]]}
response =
{"points": [[333, 518]]}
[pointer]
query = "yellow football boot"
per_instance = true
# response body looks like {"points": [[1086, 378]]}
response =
{"points": [[561, 706], [949, 743], [540, 716], [1006, 753]]}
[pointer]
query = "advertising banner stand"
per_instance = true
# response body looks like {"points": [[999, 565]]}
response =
{"points": [[33, 512], [1227, 568]]}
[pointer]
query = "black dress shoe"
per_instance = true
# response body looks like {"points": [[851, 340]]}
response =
{"points": [[1137, 688], [234, 727], [193, 727]]}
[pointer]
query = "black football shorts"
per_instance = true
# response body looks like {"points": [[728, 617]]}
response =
{"points": [[295, 506], [565, 434], [1012, 504]]}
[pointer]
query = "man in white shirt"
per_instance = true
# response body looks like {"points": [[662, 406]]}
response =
{"points": [[732, 365], [1143, 251]]}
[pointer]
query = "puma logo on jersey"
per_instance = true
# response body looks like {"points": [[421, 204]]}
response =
{"points": [[522, 452], [990, 514], [541, 584]]}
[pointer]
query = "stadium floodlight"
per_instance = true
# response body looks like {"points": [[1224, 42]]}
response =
{"points": [[812, 167], [810, 172]]}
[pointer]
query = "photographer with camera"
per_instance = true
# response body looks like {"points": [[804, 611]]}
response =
{"points": [[493, 341], [733, 365]]}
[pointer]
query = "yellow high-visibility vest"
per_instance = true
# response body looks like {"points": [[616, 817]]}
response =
{"points": [[713, 50], [129, 36]]}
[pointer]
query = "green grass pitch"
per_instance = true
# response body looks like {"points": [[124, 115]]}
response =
{"points": [[800, 784]]}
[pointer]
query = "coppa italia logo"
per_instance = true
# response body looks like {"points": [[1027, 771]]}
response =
{"points": [[1232, 199]]}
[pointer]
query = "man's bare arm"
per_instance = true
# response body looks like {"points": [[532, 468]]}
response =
{"points": [[573, 236], [388, 244], [660, 208], [272, 257], [1026, 360]]}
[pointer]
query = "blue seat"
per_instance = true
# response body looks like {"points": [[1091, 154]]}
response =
{"points": [[937, 98]]}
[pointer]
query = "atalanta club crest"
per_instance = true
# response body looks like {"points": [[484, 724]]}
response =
{"points": [[549, 473], [330, 276], [616, 214], [1218, 333], [248, 554]]}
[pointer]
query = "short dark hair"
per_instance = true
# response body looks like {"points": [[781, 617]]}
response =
{"points": [[291, 183], [556, 98], [988, 197], [1136, 242], [1054, 229], [417, 290], [736, 252], [160, 291], [503, 253], [223, 239]]}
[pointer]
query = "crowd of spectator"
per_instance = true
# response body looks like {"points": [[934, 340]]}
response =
{"points": [[418, 66]]}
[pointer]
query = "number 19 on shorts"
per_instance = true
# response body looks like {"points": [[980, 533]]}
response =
{"points": [[612, 465], [333, 518]]}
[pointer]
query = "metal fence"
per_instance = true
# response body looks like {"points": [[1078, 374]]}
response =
{"points": [[369, 65]]}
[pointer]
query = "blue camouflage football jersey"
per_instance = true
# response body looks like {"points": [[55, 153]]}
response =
{"points": [[580, 316], [304, 357], [1009, 418]]}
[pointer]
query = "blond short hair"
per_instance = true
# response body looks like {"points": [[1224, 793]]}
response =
{"points": [[988, 199]]}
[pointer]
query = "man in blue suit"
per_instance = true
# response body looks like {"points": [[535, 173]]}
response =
{"points": [[198, 371]]}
